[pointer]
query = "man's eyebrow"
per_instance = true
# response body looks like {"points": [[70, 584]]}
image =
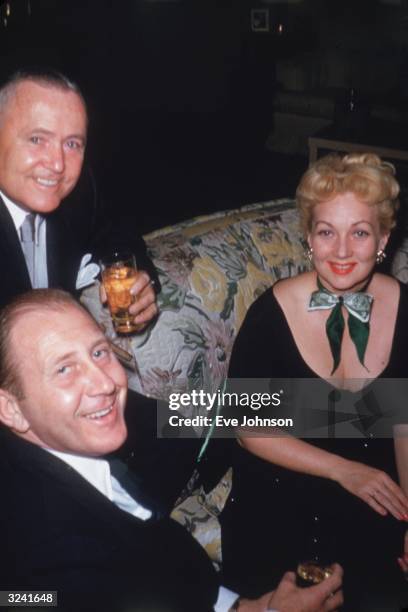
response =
{"points": [[102, 340], [78, 136], [70, 354], [60, 358], [40, 130]]}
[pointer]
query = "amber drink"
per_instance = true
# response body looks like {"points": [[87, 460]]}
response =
{"points": [[309, 573], [119, 274]]}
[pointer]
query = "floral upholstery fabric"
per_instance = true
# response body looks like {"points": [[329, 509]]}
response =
{"points": [[399, 267], [211, 269]]}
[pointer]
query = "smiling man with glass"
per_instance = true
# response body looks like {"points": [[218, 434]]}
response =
{"points": [[52, 225]]}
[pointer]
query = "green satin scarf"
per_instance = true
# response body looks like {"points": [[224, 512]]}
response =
{"points": [[358, 305]]}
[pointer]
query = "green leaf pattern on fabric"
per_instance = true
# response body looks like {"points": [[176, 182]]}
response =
{"points": [[197, 372], [229, 301], [230, 259], [192, 334], [171, 297]]}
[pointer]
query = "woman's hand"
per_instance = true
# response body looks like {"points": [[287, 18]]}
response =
{"points": [[374, 487]]}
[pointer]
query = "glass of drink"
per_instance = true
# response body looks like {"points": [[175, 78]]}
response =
{"points": [[119, 273], [309, 573]]}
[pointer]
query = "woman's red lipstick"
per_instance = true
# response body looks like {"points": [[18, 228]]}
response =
{"points": [[341, 269]]}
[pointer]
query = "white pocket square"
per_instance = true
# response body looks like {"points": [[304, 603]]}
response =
{"points": [[87, 272]]}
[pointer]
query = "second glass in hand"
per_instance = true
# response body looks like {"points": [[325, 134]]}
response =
{"points": [[309, 573], [119, 274]]}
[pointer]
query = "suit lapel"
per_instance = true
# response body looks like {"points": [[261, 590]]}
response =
{"points": [[63, 477], [64, 250], [68, 479], [15, 277], [60, 274]]}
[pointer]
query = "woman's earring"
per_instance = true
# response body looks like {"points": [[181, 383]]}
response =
{"points": [[309, 253], [380, 256]]}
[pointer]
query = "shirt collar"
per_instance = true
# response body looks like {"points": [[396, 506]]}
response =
{"points": [[18, 214]]}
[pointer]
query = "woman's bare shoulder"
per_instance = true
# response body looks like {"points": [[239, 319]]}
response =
{"points": [[384, 287], [295, 287]]}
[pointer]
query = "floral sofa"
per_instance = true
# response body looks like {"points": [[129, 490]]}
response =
{"points": [[211, 269]]}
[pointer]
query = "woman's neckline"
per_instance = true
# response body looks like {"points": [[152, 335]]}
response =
{"points": [[329, 381]]}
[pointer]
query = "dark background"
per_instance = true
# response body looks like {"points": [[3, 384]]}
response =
{"points": [[181, 93]]}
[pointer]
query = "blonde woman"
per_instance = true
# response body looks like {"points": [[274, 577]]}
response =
{"points": [[347, 324]]}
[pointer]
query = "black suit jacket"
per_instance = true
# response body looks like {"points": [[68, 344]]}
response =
{"points": [[78, 226], [59, 533]]}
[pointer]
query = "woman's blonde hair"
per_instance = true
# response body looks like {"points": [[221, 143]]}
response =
{"points": [[365, 175]]}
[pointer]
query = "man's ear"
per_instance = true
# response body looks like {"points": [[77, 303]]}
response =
{"points": [[10, 413]]}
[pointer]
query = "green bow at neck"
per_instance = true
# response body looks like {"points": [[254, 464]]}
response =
{"points": [[358, 305]]}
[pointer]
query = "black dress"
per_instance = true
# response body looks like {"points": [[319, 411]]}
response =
{"points": [[276, 517]]}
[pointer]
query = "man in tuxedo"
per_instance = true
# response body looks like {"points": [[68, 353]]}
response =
{"points": [[69, 519], [51, 218]]}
